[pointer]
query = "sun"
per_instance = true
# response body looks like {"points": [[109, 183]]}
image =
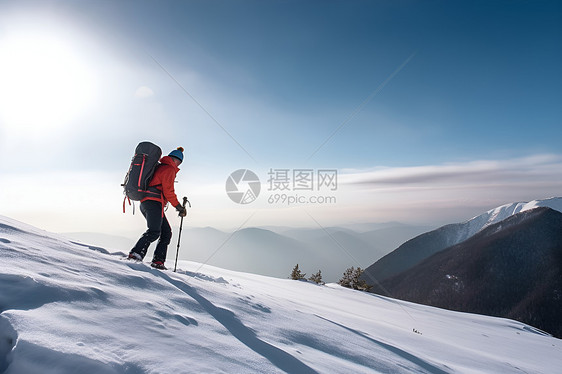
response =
{"points": [[44, 84]]}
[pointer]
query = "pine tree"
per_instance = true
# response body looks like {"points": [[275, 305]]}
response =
{"points": [[317, 278], [346, 280], [296, 274], [358, 283], [352, 279]]}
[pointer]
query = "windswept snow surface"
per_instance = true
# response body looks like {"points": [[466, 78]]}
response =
{"points": [[70, 308]]}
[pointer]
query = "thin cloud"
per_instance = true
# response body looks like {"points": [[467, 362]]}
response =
{"points": [[539, 168], [451, 192]]}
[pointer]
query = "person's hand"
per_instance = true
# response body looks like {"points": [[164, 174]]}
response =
{"points": [[182, 211]]}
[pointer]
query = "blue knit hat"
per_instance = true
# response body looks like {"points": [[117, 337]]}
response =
{"points": [[177, 153]]}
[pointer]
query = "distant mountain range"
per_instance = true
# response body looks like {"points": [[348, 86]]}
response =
{"points": [[506, 262], [274, 251]]}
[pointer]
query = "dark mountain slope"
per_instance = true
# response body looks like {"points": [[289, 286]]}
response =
{"points": [[511, 269], [414, 251], [421, 247]]}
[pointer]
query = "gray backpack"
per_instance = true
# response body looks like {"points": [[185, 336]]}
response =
{"points": [[143, 165]]}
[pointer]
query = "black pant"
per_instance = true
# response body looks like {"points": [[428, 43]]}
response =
{"points": [[158, 227]]}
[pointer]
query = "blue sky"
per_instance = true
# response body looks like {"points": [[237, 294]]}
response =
{"points": [[407, 86]]}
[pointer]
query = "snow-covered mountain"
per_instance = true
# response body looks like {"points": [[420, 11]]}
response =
{"points": [[70, 308], [425, 245], [500, 213], [510, 269]]}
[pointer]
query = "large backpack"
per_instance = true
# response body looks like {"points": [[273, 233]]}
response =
{"points": [[144, 163]]}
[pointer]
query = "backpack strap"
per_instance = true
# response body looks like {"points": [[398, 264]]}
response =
{"points": [[124, 201], [127, 199]]}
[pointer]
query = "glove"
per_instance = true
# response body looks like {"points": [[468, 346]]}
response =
{"points": [[181, 209]]}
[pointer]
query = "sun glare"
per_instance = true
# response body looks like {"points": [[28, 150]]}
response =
{"points": [[44, 84]]}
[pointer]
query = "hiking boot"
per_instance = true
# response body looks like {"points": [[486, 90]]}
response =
{"points": [[134, 256], [158, 265]]}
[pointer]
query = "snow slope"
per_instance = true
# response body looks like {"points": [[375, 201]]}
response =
{"points": [[69, 308]]}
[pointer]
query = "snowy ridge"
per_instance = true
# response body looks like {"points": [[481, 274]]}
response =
{"points": [[70, 308], [478, 223], [423, 246]]}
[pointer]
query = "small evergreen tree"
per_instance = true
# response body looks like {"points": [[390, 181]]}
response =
{"points": [[360, 284], [296, 274], [317, 278], [346, 280], [352, 279]]}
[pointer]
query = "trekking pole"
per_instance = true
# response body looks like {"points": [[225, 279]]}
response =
{"points": [[179, 236]]}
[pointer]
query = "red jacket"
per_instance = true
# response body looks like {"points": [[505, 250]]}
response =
{"points": [[163, 179]]}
